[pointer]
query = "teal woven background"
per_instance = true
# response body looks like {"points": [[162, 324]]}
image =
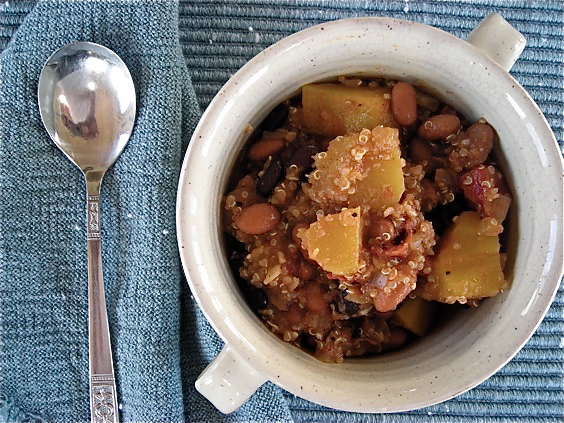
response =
{"points": [[218, 37]]}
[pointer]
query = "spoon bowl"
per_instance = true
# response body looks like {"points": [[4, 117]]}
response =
{"points": [[87, 104]]}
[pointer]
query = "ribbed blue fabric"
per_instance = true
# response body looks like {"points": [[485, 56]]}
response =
{"points": [[161, 339]]}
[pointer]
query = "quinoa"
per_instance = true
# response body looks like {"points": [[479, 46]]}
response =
{"points": [[306, 178]]}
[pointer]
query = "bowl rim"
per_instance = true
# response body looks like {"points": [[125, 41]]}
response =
{"points": [[194, 267]]}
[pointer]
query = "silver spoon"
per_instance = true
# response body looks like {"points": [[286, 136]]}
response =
{"points": [[87, 104]]}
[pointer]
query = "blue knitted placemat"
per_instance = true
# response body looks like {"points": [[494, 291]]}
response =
{"points": [[180, 55]]}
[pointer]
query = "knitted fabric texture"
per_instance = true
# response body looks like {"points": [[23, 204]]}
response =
{"points": [[43, 309], [180, 54]]}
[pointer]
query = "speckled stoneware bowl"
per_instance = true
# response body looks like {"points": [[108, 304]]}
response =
{"points": [[473, 76]]}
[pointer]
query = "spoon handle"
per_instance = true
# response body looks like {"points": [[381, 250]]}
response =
{"points": [[103, 395]]}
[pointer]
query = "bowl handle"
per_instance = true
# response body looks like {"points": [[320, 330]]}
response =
{"points": [[228, 381], [498, 40]]}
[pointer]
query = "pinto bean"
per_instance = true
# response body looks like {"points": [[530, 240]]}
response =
{"points": [[404, 103], [472, 147], [420, 151], [258, 218], [481, 137], [297, 240], [439, 127], [382, 227], [266, 147], [388, 301], [448, 110]]}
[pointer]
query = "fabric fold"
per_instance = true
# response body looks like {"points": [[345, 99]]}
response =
{"points": [[43, 273]]}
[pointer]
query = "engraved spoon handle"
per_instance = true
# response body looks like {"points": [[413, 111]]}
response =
{"points": [[103, 395]]}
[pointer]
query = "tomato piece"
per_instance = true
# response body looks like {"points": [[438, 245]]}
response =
{"points": [[486, 190]]}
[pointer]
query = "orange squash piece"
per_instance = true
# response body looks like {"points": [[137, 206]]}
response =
{"points": [[336, 109], [334, 241], [415, 314], [468, 264], [359, 169]]}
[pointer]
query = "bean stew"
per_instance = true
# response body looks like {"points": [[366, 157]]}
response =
{"points": [[360, 210]]}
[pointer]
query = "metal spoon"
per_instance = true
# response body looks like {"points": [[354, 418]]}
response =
{"points": [[87, 104]]}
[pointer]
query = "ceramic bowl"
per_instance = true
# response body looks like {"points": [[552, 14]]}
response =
{"points": [[473, 76]]}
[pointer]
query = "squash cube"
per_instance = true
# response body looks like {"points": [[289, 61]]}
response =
{"points": [[468, 264], [359, 169], [415, 314], [335, 109], [334, 241]]}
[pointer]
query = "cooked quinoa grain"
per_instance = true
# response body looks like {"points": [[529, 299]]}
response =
{"points": [[345, 219]]}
